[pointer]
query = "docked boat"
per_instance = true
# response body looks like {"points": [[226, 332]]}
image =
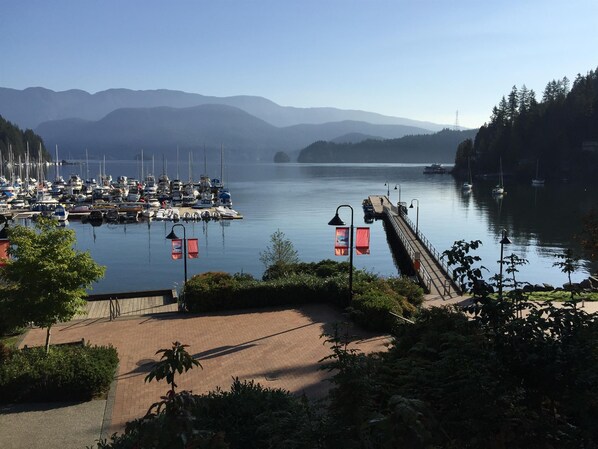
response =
{"points": [[434, 169], [537, 181], [60, 213], [499, 189]]}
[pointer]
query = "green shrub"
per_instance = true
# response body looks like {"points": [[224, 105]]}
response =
{"points": [[210, 292], [302, 283], [65, 373], [248, 416]]}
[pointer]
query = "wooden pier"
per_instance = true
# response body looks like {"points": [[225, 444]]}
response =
{"points": [[115, 305], [433, 273]]}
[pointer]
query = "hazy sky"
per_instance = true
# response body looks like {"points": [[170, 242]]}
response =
{"points": [[418, 59]]}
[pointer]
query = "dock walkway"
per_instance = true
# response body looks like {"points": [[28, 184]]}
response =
{"points": [[433, 273]]}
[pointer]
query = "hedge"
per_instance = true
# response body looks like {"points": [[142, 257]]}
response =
{"points": [[66, 373], [373, 299]]}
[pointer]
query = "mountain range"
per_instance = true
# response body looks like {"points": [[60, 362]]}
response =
{"points": [[118, 123]]}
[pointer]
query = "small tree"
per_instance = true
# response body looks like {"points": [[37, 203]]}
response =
{"points": [[45, 280], [280, 252], [568, 264]]}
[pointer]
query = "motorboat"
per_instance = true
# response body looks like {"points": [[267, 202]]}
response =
{"points": [[60, 213], [434, 169]]}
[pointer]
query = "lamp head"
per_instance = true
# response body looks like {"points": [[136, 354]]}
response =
{"points": [[172, 236], [505, 239], [336, 221], [395, 187], [411, 205]]}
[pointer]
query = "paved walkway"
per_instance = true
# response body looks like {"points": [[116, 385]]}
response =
{"points": [[278, 348]]}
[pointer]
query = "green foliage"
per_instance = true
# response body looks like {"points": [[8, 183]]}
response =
{"points": [[45, 280], [66, 373], [411, 148], [281, 156], [209, 292], [322, 282], [174, 360], [589, 240], [246, 417], [17, 139], [523, 131], [280, 252], [568, 264]]}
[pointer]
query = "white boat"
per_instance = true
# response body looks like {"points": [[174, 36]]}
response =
{"points": [[468, 185], [60, 213], [537, 181], [205, 201], [499, 189]]}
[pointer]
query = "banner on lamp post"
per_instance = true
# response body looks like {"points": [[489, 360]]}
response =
{"points": [[192, 248], [4, 244], [362, 241], [341, 242], [177, 249]]}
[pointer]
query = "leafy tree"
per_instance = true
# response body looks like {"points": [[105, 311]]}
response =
{"points": [[45, 279], [280, 252]]}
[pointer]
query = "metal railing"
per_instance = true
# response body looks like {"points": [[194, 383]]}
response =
{"points": [[433, 251], [423, 273], [114, 308]]}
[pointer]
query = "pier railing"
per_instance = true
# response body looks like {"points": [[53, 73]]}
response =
{"points": [[433, 251], [423, 273]]}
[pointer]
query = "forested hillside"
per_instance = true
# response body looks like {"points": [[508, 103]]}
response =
{"points": [[559, 133], [15, 138], [438, 147]]}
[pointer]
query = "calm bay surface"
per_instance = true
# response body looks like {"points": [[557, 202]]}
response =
{"points": [[300, 199]]}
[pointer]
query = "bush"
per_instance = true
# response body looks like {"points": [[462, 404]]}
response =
{"points": [[66, 373], [214, 291], [322, 282], [246, 417]]}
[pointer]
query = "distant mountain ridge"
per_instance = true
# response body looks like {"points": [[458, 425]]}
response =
{"points": [[124, 132], [32, 106]]}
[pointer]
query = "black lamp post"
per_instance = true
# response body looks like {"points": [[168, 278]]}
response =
{"points": [[336, 221], [387, 184], [173, 236], [416, 216], [504, 241]]}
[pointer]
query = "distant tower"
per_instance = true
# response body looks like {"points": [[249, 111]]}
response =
{"points": [[457, 120]]}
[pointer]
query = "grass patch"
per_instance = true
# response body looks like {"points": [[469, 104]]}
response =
{"points": [[561, 296]]}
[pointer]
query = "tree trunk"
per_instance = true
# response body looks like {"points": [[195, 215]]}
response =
{"points": [[48, 339]]}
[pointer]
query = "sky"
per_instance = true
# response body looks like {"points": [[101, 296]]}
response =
{"points": [[418, 59]]}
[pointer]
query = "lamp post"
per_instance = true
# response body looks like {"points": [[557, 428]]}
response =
{"points": [[504, 241], [173, 236], [387, 184], [398, 186], [336, 221], [417, 215]]}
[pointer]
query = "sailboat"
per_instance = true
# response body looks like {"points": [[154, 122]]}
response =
{"points": [[537, 181], [468, 185], [499, 189]]}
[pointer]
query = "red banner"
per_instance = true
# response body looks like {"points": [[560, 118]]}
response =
{"points": [[177, 249], [192, 249], [4, 244], [341, 242], [362, 241]]}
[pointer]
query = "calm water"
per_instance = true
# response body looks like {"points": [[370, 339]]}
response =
{"points": [[300, 199]]}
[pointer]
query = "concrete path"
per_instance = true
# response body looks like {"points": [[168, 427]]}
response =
{"points": [[52, 425]]}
